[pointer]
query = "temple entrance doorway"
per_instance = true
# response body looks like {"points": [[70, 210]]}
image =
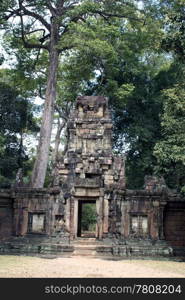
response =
{"points": [[87, 219]]}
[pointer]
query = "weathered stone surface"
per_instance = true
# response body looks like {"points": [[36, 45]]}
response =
{"points": [[6, 214], [148, 222], [98, 169]]}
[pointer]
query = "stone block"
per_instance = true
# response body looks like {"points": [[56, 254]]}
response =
{"points": [[63, 171]]}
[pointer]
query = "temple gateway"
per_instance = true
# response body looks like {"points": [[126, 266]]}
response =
{"points": [[148, 222]]}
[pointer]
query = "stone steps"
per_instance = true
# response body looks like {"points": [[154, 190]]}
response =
{"points": [[90, 247], [36, 248], [87, 241]]}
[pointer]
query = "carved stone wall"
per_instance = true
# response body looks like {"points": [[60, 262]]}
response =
{"points": [[6, 214], [90, 173], [137, 214]]}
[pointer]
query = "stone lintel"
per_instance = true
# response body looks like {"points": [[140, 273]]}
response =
{"points": [[86, 192]]}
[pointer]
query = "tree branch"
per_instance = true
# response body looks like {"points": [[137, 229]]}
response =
{"points": [[27, 44], [106, 15], [36, 30], [34, 15], [51, 8], [44, 38], [11, 14], [61, 114], [60, 3]]}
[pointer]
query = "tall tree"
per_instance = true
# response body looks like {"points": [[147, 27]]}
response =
{"points": [[44, 25]]}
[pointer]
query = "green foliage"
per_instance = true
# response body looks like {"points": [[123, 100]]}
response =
{"points": [[174, 18], [170, 151], [88, 216], [28, 73], [16, 119], [91, 38]]}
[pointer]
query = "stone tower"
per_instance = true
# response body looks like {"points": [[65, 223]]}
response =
{"points": [[89, 171]]}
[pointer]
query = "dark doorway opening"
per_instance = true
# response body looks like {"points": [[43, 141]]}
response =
{"points": [[86, 218]]}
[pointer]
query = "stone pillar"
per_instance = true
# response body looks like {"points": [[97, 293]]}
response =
{"points": [[67, 214], [100, 218], [16, 222], [161, 220], [24, 224], [97, 217], [75, 217], [154, 223], [17, 217], [48, 218], [105, 215], [72, 233], [123, 218]]}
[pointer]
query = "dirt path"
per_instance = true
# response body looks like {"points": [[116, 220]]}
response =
{"points": [[21, 266]]}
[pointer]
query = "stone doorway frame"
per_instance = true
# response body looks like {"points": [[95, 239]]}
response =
{"points": [[80, 205], [76, 216], [102, 215]]}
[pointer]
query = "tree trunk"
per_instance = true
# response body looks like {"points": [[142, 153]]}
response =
{"points": [[57, 141], [40, 166]]}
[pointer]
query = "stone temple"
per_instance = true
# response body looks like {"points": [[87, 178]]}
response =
{"points": [[149, 222]]}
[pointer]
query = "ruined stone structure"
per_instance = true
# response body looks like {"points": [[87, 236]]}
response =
{"points": [[128, 222], [89, 170]]}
